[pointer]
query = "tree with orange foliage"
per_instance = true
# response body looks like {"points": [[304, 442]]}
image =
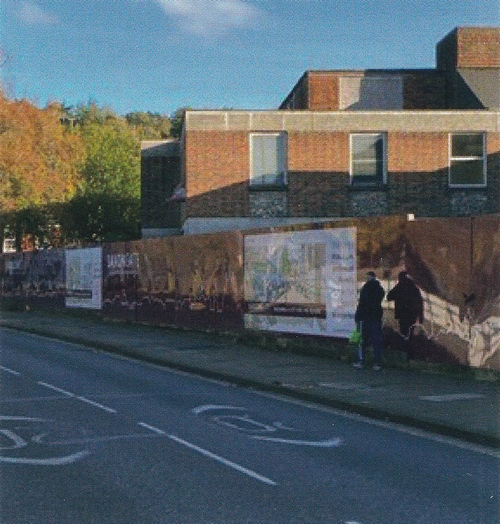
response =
{"points": [[39, 165]]}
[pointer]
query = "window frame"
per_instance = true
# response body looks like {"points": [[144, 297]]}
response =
{"points": [[282, 143], [357, 180], [452, 158]]}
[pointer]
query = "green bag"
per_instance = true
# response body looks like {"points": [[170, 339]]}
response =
{"points": [[355, 339]]}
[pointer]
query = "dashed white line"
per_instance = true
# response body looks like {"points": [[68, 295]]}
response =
{"points": [[72, 395], [11, 371], [54, 388], [224, 461], [96, 404], [211, 455]]}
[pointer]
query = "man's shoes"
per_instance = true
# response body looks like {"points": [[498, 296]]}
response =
{"points": [[376, 367], [358, 365]]}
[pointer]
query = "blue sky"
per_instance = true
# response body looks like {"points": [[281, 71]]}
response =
{"points": [[160, 55]]}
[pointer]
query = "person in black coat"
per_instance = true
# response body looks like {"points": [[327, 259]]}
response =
{"points": [[369, 315], [408, 308]]}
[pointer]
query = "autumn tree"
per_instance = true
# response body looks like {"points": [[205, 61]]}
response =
{"points": [[39, 163]]}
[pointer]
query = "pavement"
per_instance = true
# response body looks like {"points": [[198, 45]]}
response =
{"points": [[458, 406]]}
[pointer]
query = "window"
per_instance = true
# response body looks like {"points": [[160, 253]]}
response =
{"points": [[467, 159], [268, 159], [368, 158]]}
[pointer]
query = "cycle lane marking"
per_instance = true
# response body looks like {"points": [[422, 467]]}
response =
{"points": [[249, 426]]}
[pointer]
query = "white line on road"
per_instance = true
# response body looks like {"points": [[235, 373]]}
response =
{"points": [[332, 443], [420, 433], [96, 404], [54, 388], [55, 461], [224, 461], [451, 397], [72, 395], [11, 371], [211, 455], [211, 407], [153, 429]]}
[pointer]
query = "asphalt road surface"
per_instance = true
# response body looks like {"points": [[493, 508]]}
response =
{"points": [[87, 437]]}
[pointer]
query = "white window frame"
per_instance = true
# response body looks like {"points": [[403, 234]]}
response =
{"points": [[283, 160], [358, 181], [451, 158]]}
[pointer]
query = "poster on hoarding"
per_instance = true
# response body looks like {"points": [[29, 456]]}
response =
{"points": [[84, 278], [301, 282]]}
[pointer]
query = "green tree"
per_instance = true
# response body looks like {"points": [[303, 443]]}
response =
{"points": [[149, 126], [107, 204], [177, 120]]}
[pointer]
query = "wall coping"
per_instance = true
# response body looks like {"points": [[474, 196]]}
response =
{"points": [[425, 121]]}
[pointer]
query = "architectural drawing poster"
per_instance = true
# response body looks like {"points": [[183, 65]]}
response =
{"points": [[301, 282], [84, 278]]}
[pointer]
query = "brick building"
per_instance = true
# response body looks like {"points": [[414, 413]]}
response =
{"points": [[342, 144]]}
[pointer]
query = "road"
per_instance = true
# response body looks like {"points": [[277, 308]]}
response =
{"points": [[87, 437]]}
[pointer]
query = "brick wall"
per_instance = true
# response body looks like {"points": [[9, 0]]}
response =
{"points": [[478, 47], [217, 171], [217, 166], [323, 91], [417, 173], [424, 90]]}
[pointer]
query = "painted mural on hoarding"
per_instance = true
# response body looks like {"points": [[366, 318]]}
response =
{"points": [[37, 276], [301, 282], [191, 282], [298, 280], [84, 278], [456, 262]]}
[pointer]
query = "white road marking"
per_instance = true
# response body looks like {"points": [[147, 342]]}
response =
{"points": [[153, 429], [54, 388], [209, 454], [420, 433], [251, 425], [96, 404], [11, 371], [17, 441], [55, 461], [24, 419], [94, 440], [332, 443], [211, 407], [347, 386], [224, 461], [82, 399], [451, 397]]}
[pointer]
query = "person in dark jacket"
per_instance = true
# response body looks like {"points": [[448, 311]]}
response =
{"points": [[369, 315], [408, 308]]}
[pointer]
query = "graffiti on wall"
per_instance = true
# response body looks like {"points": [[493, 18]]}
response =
{"points": [[268, 281]]}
